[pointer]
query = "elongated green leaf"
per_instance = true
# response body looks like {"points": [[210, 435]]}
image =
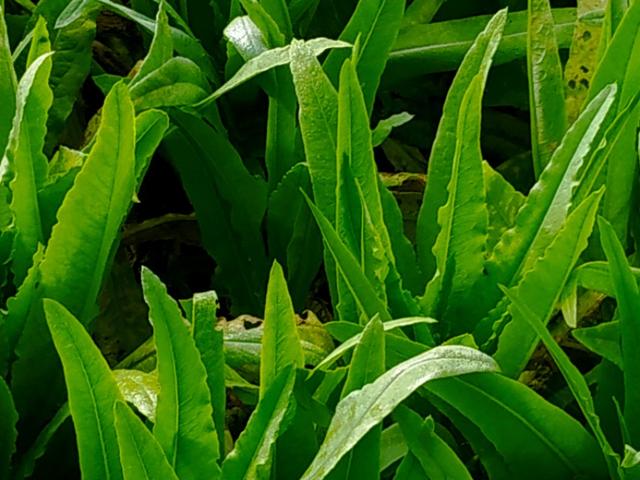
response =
{"points": [[209, 341], [477, 60], [459, 248], [28, 163], [577, 384], [150, 129], [597, 276], [184, 423], [229, 204], [161, 49], [367, 364], [8, 432], [377, 23], [89, 221], [441, 46], [280, 342], [363, 409], [251, 457], [628, 298], [542, 286], [361, 289], [92, 393], [140, 453], [620, 65], [545, 210], [279, 11], [8, 84], [140, 389], [534, 437], [385, 126], [546, 85], [437, 459], [274, 58]]}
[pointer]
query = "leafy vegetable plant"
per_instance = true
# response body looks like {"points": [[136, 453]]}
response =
{"points": [[484, 329]]}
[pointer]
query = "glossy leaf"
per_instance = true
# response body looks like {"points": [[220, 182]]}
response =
{"points": [[546, 85], [92, 392], [140, 389], [161, 48], [8, 84], [184, 424], [363, 409], [140, 453]]}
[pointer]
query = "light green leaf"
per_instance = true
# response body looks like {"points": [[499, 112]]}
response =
{"points": [[459, 248], [27, 162], [376, 22], [602, 339], [151, 127], [545, 210], [92, 393], [141, 455], [161, 49], [139, 389], [251, 456], [280, 341], [546, 85], [209, 341], [386, 125], [542, 286], [628, 298], [89, 222], [184, 423], [363, 409], [477, 61]]}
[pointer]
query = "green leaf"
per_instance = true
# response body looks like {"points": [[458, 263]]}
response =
{"points": [[363, 409], [151, 127], [229, 204], [542, 286], [89, 222], [251, 456], [460, 245], [628, 298], [357, 282], [210, 344], [177, 82], [140, 389], [620, 65], [437, 459], [296, 244], [27, 162], [140, 453], [535, 438], [441, 46], [477, 61], [92, 392], [280, 341], [367, 364], [577, 384], [279, 11], [8, 84], [376, 22], [356, 338], [386, 125], [421, 11], [603, 340], [8, 432], [503, 203], [184, 423], [161, 49], [274, 58], [545, 210], [546, 85]]}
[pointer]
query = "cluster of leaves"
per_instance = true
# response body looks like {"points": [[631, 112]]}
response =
{"points": [[436, 335]]}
